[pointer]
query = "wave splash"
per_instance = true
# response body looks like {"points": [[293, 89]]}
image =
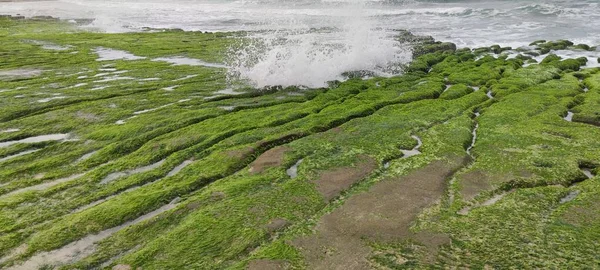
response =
{"points": [[299, 54]]}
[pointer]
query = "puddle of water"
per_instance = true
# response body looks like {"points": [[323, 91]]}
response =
{"points": [[292, 172], [78, 85], [37, 139], [474, 133], [86, 246], [489, 94], [114, 176], [228, 91], [447, 87], [227, 108], [475, 88], [153, 109], [586, 90], [85, 157], [106, 54], [173, 172], [185, 78], [99, 88], [569, 116], [44, 186], [18, 155], [49, 45], [571, 196], [588, 173], [494, 199], [113, 78], [10, 130], [386, 165], [415, 151], [179, 167], [20, 73], [107, 69], [46, 100], [170, 88], [180, 60], [120, 122], [491, 201], [149, 79]]}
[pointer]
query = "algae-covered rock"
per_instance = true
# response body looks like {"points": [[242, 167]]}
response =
{"points": [[434, 47], [456, 91], [199, 185], [583, 47], [537, 42]]}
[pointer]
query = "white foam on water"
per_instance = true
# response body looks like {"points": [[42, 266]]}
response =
{"points": [[311, 58]]}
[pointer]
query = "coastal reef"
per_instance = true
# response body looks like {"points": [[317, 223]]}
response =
{"points": [[130, 151]]}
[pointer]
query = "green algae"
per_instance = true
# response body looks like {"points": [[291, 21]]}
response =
{"points": [[172, 114]]}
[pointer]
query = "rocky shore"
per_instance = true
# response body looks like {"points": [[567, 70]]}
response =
{"points": [[129, 151]]}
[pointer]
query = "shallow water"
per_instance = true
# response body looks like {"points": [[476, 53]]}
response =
{"points": [[292, 172], [20, 73], [79, 249], [489, 202], [10, 130], [107, 54], [415, 151], [569, 116], [571, 196], [44, 186], [322, 39], [46, 100], [116, 175], [179, 167], [588, 173], [180, 60], [114, 78], [474, 134], [18, 155], [37, 139], [49, 45], [86, 156]]}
